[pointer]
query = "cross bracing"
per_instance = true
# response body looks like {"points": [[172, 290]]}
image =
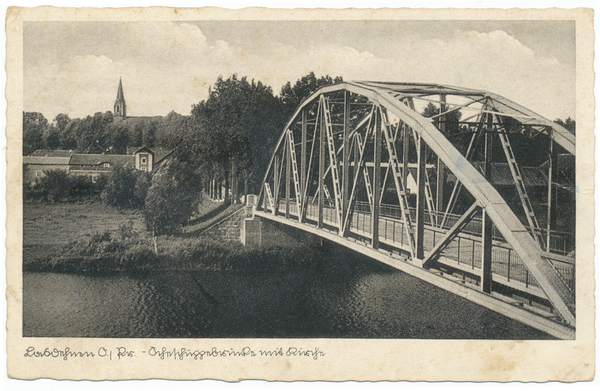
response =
{"points": [[360, 160]]}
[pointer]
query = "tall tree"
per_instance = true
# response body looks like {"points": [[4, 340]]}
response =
{"points": [[569, 124], [34, 127], [149, 135], [61, 121], [68, 137], [292, 96], [51, 137], [120, 187], [169, 203], [239, 121], [55, 131]]}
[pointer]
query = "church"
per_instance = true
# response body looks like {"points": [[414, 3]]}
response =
{"points": [[120, 107], [93, 165]]}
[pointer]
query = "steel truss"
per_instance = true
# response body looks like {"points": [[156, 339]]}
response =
{"points": [[367, 158]]}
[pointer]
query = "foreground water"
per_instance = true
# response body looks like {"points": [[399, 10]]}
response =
{"points": [[352, 297]]}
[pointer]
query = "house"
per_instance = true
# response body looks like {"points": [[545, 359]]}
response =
{"points": [[34, 166], [92, 164], [149, 160]]}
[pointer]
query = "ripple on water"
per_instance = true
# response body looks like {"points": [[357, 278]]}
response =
{"points": [[335, 298]]}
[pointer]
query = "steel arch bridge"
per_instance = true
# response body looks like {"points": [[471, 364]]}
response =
{"points": [[442, 198]]}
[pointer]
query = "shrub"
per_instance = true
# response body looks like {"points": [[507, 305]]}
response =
{"points": [[168, 205], [126, 231], [119, 190], [140, 191], [92, 244], [53, 185], [81, 186], [137, 256]]}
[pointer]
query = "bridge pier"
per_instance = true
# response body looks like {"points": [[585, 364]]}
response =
{"points": [[260, 232]]}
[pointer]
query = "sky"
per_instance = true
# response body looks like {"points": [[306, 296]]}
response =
{"points": [[74, 67]]}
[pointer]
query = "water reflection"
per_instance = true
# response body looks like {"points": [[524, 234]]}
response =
{"points": [[349, 298]]}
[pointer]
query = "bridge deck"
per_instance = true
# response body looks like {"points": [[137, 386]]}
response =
{"points": [[513, 308], [462, 253]]}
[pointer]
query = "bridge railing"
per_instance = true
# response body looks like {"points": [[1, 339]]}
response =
{"points": [[463, 252], [562, 243]]}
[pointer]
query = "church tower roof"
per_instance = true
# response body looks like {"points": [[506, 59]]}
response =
{"points": [[120, 92], [120, 108]]}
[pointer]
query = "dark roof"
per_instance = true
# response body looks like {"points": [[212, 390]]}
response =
{"points": [[144, 148], [43, 160], [86, 159], [160, 154], [120, 97], [50, 153]]}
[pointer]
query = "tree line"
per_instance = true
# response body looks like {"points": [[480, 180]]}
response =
{"points": [[226, 140], [237, 125], [233, 131], [99, 133]]}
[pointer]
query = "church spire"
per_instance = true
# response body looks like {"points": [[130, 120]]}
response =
{"points": [[120, 108]]}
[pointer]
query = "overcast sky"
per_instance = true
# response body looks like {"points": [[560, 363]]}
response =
{"points": [[74, 67]]}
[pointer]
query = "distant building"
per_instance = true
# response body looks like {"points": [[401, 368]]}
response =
{"points": [[120, 107], [45, 160], [92, 164]]}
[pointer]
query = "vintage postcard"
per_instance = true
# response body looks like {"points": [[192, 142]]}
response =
{"points": [[385, 194]]}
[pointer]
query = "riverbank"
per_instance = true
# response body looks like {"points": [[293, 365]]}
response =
{"points": [[93, 239], [49, 227], [111, 280], [100, 254]]}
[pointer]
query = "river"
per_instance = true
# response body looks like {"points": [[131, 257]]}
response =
{"points": [[336, 297]]}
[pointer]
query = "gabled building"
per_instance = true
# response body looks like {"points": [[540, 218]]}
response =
{"points": [[35, 165], [150, 159], [92, 164]]}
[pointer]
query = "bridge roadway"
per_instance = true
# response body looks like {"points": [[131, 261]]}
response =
{"points": [[461, 257]]}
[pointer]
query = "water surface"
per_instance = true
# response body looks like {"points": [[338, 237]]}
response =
{"points": [[336, 297]]}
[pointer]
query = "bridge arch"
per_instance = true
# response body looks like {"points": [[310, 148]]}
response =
{"points": [[361, 153]]}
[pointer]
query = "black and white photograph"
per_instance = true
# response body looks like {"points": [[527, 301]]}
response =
{"points": [[370, 180]]}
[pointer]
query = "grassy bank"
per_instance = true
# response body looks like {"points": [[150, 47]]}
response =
{"points": [[96, 239], [107, 257], [49, 227]]}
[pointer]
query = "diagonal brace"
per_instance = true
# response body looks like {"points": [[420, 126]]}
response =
{"points": [[465, 219]]}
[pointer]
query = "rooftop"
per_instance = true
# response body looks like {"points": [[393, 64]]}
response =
{"points": [[51, 153], [86, 159], [46, 160]]}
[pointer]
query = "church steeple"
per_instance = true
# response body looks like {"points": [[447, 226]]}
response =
{"points": [[120, 108]]}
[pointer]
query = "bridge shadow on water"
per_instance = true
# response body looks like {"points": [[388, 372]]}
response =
{"points": [[307, 289], [343, 294]]}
